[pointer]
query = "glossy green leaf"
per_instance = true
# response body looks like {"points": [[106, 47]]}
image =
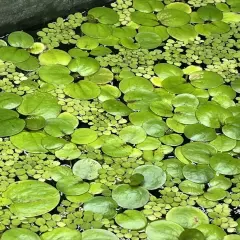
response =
{"points": [[19, 234], [55, 74], [104, 15], [163, 230], [173, 17], [96, 30], [102, 205], [13, 54], [20, 39], [200, 173], [85, 66], [40, 104], [154, 177], [131, 219], [40, 198], [54, 56], [225, 164], [83, 90], [187, 217], [29, 141], [86, 168], [133, 134], [62, 233], [130, 197], [98, 234], [199, 132]]}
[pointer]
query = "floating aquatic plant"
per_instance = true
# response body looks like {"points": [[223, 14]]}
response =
{"points": [[123, 122]]}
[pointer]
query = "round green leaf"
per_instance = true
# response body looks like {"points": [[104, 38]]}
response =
{"points": [[187, 217], [13, 54], [163, 230], [96, 30], [236, 85], [184, 33], [40, 104], [155, 127], [103, 76], [231, 128], [154, 176], [54, 56], [232, 237], [161, 108], [205, 79], [84, 136], [220, 182], [115, 147], [116, 107], [105, 206], [71, 185], [191, 234], [173, 17], [100, 51], [10, 124], [19, 234], [210, 13], [9, 100], [133, 134], [216, 27], [199, 132], [86, 168], [178, 85], [145, 19], [180, 6], [150, 143], [212, 115], [148, 6], [35, 122], [87, 43], [83, 90], [108, 92], [172, 139], [58, 127], [223, 143], [98, 234], [129, 43], [40, 198], [20, 39], [85, 66], [125, 31], [29, 141], [200, 173], [73, 120], [30, 64], [53, 143], [77, 53], [135, 83], [130, 197], [160, 30], [173, 167], [215, 194], [62, 233], [165, 70], [225, 164], [69, 152], [148, 40], [211, 231], [191, 188], [55, 74], [131, 219], [104, 15]]}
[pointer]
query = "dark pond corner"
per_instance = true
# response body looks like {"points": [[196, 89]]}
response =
{"points": [[24, 14]]}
